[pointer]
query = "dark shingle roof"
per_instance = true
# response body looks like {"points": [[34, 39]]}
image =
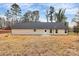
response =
{"points": [[39, 25]]}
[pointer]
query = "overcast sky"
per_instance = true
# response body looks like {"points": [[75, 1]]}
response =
{"points": [[71, 9]]}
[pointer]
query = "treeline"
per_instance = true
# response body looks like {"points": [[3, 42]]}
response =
{"points": [[76, 20], [14, 15]]}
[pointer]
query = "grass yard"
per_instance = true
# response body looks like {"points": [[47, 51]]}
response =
{"points": [[45, 45]]}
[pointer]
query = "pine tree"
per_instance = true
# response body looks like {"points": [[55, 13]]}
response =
{"points": [[15, 12]]}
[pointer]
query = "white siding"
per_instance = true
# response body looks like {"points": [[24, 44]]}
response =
{"points": [[22, 31], [38, 31], [59, 31], [29, 31], [42, 31]]}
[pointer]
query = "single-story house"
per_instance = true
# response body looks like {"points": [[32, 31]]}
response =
{"points": [[53, 28]]}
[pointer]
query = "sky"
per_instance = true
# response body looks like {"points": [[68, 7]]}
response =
{"points": [[71, 9]]}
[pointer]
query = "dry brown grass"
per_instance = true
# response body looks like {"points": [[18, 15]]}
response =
{"points": [[38, 45]]}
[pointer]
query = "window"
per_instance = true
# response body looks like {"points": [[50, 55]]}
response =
{"points": [[65, 31], [56, 31], [45, 31], [34, 30]]}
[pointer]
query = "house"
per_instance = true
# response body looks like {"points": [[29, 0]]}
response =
{"points": [[53, 28]]}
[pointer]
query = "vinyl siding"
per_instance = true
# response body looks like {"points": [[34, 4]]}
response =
{"points": [[59, 31], [38, 31]]}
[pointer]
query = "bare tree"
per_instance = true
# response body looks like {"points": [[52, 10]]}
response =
{"points": [[8, 17], [76, 20], [27, 16], [60, 16], [35, 16], [2, 22], [47, 14], [30, 16], [51, 11], [50, 14]]}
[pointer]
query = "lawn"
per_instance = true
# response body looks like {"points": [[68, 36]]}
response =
{"points": [[43, 45]]}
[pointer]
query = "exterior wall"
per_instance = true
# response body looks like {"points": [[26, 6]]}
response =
{"points": [[22, 31], [29, 31], [60, 32], [38, 31], [42, 31]]}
